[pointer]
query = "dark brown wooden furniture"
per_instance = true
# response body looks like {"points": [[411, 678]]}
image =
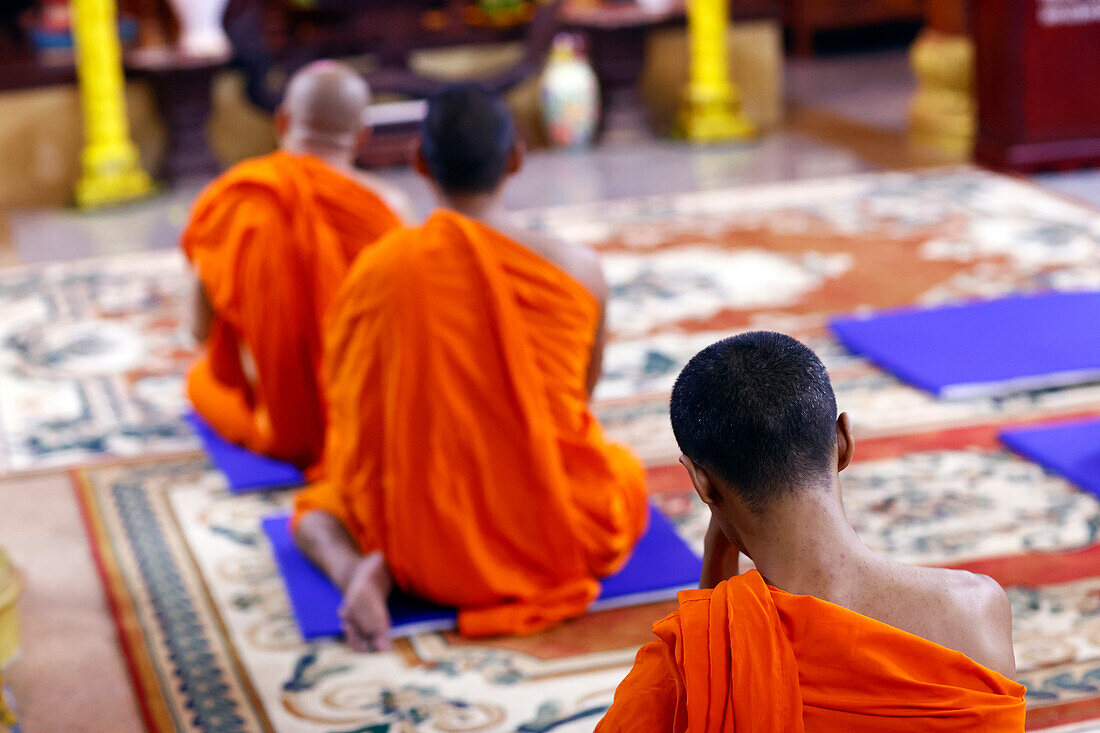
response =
{"points": [[616, 33], [183, 88], [1038, 83], [21, 67], [805, 18], [271, 40], [273, 36]]}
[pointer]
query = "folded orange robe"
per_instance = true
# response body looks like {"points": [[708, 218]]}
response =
{"points": [[748, 657], [272, 240], [460, 442]]}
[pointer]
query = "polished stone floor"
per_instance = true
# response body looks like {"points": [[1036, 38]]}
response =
{"points": [[846, 114], [634, 164]]}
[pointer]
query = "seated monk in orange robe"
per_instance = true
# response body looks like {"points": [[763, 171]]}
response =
{"points": [[271, 241], [463, 463], [823, 635]]}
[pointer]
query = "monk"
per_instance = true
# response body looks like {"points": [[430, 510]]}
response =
{"points": [[271, 241], [823, 635], [463, 463]]}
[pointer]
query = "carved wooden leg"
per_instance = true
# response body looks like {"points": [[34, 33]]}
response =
{"points": [[184, 97], [618, 58]]}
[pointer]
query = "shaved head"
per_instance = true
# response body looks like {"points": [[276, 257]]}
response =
{"points": [[758, 411], [467, 138], [324, 106]]}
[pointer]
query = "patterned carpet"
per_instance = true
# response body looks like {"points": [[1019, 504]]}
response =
{"points": [[91, 358], [92, 353], [204, 617], [213, 646]]}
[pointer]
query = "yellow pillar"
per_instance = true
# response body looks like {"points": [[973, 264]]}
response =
{"points": [[111, 171], [711, 110]]}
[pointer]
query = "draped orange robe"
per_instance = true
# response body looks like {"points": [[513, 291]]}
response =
{"points": [[272, 240], [460, 441], [748, 657]]}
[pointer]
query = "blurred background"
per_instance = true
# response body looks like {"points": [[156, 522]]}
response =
{"points": [[890, 83]]}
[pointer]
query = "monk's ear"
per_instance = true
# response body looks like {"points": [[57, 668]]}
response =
{"points": [[516, 157], [706, 489], [361, 138], [282, 123], [845, 444], [419, 161]]}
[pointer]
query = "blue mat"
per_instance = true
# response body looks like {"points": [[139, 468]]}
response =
{"points": [[661, 565], [987, 348], [1070, 449], [243, 469]]}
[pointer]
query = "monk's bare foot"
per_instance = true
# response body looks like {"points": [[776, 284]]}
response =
{"points": [[365, 616]]}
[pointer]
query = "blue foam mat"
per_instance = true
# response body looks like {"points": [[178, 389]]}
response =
{"points": [[661, 565], [986, 348], [243, 469], [1070, 449]]}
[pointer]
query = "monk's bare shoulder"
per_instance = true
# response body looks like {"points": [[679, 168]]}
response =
{"points": [[974, 617], [579, 261], [964, 611], [985, 602], [394, 197]]}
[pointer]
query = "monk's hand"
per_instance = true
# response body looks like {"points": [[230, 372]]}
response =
{"points": [[721, 559], [364, 614]]}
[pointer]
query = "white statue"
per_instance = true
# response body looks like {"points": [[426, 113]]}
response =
{"points": [[201, 32]]}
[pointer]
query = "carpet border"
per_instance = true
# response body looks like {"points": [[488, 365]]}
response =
{"points": [[245, 679], [151, 700], [146, 680]]}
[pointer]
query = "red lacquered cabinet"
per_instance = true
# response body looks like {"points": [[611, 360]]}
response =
{"points": [[1038, 83]]}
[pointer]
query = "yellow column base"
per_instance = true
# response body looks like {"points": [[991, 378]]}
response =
{"points": [[9, 626], [112, 175], [943, 112], [7, 717], [707, 117]]}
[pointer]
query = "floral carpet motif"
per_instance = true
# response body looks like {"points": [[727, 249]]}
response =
{"points": [[92, 353], [213, 646]]}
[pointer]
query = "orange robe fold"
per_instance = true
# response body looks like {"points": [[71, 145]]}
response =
{"points": [[272, 240], [748, 657], [460, 441]]}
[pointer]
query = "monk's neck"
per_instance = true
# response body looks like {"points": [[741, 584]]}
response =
{"points": [[485, 207], [808, 547], [339, 158]]}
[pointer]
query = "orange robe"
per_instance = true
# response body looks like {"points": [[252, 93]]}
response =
{"points": [[460, 441], [748, 657], [272, 240]]}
